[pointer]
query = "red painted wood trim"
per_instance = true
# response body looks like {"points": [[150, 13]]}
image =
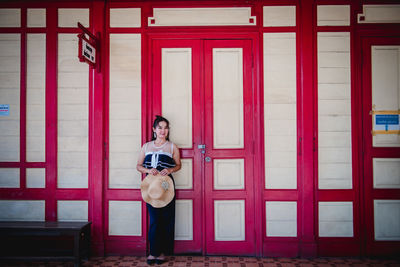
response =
{"points": [[22, 118], [281, 248], [308, 79], [96, 147], [51, 113]]}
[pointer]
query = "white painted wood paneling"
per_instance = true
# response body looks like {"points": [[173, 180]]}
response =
{"points": [[387, 219], [184, 219], [72, 210], [176, 83], [385, 61], [36, 98], [35, 177], [36, 17], [280, 110], [9, 178], [333, 15], [380, 14], [125, 110], [184, 177], [228, 174], [229, 220], [334, 109], [73, 80], [386, 172], [22, 210], [69, 17], [335, 219], [10, 58], [125, 218], [228, 98], [281, 218], [279, 16], [10, 17], [202, 16], [125, 17]]}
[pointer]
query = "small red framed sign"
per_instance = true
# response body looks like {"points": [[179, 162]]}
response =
{"points": [[89, 48]]}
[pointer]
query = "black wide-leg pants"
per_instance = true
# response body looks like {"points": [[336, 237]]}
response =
{"points": [[162, 229]]}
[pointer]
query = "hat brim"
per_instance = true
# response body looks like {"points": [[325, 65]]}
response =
{"points": [[167, 195]]}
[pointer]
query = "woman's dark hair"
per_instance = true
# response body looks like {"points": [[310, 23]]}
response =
{"points": [[157, 120]]}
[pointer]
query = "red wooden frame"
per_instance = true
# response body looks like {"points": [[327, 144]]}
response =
{"points": [[372, 247], [306, 195]]}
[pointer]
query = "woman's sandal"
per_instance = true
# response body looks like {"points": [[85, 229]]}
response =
{"points": [[151, 261]]}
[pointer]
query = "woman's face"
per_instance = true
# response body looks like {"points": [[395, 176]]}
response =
{"points": [[161, 130]]}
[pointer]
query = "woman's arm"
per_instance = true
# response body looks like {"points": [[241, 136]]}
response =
{"points": [[139, 165], [177, 158]]}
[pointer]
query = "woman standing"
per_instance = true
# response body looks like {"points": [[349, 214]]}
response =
{"points": [[160, 156]]}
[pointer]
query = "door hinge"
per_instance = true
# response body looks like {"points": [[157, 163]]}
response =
{"points": [[314, 145], [105, 151], [300, 144]]}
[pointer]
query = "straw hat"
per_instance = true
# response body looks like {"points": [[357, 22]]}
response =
{"points": [[157, 190]]}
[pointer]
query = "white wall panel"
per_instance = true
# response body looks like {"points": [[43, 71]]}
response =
{"points": [[228, 98], [229, 220], [280, 110], [380, 14], [36, 98], [202, 16], [184, 177], [69, 17], [335, 219], [125, 110], [125, 17], [9, 178], [184, 220], [176, 83], [333, 15], [279, 16], [22, 210], [10, 17], [386, 172], [72, 210], [125, 218], [385, 61], [35, 177], [281, 218], [36, 17], [228, 174], [10, 59], [387, 220], [334, 109], [73, 81]]}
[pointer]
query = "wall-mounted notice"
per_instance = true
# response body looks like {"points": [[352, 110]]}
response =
{"points": [[386, 123], [4, 110]]}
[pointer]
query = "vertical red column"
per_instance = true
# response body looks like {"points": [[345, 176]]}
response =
{"points": [[51, 113], [96, 112], [307, 184]]}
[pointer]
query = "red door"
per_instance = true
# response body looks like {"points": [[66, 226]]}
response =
{"points": [[381, 106], [229, 198], [204, 87]]}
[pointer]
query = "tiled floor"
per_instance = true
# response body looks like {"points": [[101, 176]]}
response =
{"points": [[194, 261]]}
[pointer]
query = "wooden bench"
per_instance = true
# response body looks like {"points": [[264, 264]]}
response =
{"points": [[16, 232]]}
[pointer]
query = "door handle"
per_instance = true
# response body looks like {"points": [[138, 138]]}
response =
{"points": [[207, 159]]}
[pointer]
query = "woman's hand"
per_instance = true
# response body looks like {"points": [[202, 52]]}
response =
{"points": [[153, 171], [165, 172]]}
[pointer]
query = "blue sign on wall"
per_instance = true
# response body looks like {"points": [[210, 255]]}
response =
{"points": [[386, 122], [4, 110], [387, 119]]}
